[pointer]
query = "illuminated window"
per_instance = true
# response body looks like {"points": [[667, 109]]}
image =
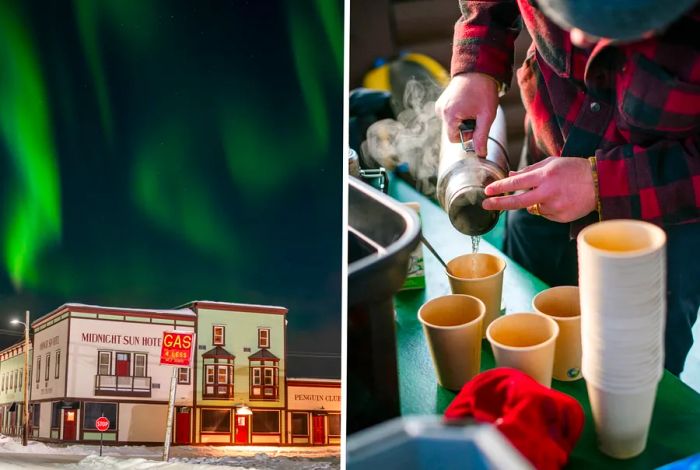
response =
{"points": [[222, 375], [218, 335], [210, 374], [264, 381], [183, 375], [263, 337]]}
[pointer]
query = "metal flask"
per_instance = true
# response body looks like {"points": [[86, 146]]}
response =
{"points": [[463, 176]]}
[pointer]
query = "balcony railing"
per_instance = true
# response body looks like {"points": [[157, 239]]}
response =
{"points": [[217, 391], [122, 385]]}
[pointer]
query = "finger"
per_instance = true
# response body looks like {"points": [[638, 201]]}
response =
{"points": [[517, 182], [529, 168], [453, 131], [516, 201], [481, 133]]}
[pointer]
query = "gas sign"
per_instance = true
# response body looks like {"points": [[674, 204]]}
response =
{"points": [[176, 348]]}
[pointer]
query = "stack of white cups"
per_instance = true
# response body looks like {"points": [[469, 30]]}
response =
{"points": [[622, 279]]}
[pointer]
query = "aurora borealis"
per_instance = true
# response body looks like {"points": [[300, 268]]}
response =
{"points": [[157, 152]]}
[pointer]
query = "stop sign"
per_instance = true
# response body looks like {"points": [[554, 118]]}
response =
{"points": [[102, 424]]}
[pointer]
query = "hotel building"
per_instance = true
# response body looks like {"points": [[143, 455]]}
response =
{"points": [[91, 361]]}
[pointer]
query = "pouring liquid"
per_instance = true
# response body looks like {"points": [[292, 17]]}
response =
{"points": [[475, 249]]}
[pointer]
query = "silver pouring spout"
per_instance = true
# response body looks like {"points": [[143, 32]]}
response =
{"points": [[462, 177]]}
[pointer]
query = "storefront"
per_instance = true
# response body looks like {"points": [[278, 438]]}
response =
{"points": [[93, 361], [313, 411]]}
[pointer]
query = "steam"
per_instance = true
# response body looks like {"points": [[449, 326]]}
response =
{"points": [[413, 139]]}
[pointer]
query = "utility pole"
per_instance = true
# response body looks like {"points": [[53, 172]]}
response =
{"points": [[25, 434]]}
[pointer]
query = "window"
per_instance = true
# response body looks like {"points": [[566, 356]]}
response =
{"points": [[14, 381], [216, 421], [58, 364], [334, 425], [269, 378], [35, 408], [266, 421], [210, 374], [139, 365], [21, 379], [263, 337], [55, 414], [300, 424], [38, 369], [92, 411], [264, 382], [222, 375], [48, 366], [183, 375], [218, 335], [103, 362]]}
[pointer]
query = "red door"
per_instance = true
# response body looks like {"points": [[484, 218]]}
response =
{"points": [[122, 366], [182, 427], [69, 419], [241, 429], [319, 430]]}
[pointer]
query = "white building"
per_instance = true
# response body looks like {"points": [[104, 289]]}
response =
{"points": [[92, 361]]}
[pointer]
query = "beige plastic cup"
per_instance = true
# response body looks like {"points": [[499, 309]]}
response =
{"points": [[525, 341], [562, 304], [453, 328], [622, 420], [480, 275]]}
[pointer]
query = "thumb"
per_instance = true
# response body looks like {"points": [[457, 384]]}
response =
{"points": [[481, 134]]}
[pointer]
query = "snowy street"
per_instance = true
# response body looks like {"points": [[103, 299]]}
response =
{"points": [[38, 455]]}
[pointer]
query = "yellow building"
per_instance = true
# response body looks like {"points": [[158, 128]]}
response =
{"points": [[240, 373], [11, 389]]}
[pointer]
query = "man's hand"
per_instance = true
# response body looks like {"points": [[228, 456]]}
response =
{"points": [[562, 186], [469, 96]]}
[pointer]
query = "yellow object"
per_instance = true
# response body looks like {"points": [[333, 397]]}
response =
{"points": [[380, 78]]}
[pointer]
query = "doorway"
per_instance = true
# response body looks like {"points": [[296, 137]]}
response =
{"points": [[319, 422], [69, 424], [122, 367], [241, 429], [182, 426]]}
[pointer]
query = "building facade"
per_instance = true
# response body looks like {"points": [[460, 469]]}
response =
{"points": [[93, 361], [89, 361], [11, 389], [313, 411]]}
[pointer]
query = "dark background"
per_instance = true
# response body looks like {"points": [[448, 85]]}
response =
{"points": [[158, 152]]}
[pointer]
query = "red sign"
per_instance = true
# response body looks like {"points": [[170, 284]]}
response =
{"points": [[176, 349], [102, 424]]}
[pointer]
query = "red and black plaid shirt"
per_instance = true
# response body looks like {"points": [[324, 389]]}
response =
{"points": [[635, 106]]}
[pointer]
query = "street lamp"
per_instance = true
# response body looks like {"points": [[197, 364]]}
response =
{"points": [[25, 433]]}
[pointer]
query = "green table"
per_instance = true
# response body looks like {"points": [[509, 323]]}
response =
{"points": [[675, 427]]}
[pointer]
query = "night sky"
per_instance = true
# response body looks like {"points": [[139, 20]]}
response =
{"points": [[158, 152]]}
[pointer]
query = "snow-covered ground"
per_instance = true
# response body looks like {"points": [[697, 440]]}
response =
{"points": [[38, 455]]}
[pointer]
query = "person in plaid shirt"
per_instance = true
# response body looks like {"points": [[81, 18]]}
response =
{"points": [[612, 86]]}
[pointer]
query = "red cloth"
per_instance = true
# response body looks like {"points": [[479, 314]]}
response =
{"points": [[543, 424]]}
